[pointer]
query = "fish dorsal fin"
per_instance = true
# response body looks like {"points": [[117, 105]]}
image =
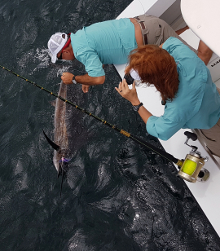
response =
{"points": [[55, 146]]}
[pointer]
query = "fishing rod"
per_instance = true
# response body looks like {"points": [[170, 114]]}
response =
{"points": [[189, 168]]}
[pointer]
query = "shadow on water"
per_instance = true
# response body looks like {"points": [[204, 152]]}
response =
{"points": [[117, 195]]}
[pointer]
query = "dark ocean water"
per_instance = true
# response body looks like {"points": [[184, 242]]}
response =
{"points": [[117, 195]]}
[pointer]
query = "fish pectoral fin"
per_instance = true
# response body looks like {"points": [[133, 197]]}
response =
{"points": [[55, 146], [53, 103]]}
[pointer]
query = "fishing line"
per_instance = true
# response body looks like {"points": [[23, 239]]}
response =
{"points": [[142, 6], [158, 151]]}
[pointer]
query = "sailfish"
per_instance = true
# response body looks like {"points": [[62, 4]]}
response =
{"points": [[60, 144]]}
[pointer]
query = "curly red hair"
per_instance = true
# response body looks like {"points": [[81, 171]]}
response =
{"points": [[157, 67]]}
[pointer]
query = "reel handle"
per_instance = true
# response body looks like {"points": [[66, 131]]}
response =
{"points": [[191, 135]]}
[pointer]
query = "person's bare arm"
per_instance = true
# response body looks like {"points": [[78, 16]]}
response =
{"points": [[182, 30], [131, 95], [67, 78], [85, 80], [204, 52]]}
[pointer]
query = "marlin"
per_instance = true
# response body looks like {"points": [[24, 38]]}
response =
{"points": [[60, 144], [70, 134]]}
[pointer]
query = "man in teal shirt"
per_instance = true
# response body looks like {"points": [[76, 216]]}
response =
{"points": [[191, 98], [108, 42]]}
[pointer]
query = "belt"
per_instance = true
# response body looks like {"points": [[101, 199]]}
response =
{"points": [[142, 25]]}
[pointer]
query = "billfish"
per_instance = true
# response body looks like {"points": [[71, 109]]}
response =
{"points": [[60, 144], [70, 134]]}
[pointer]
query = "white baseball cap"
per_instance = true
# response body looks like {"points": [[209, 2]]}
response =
{"points": [[55, 44]]}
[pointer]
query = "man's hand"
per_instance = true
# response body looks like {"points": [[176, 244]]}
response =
{"points": [[85, 80], [129, 94], [85, 88], [67, 77]]}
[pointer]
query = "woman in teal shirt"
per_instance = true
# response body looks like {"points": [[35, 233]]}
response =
{"points": [[191, 98]]}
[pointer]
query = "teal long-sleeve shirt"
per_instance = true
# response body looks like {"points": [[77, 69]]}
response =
{"points": [[108, 42], [197, 102]]}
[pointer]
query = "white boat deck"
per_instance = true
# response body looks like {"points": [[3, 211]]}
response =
{"points": [[206, 193]]}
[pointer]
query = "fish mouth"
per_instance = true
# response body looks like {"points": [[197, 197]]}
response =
{"points": [[63, 166], [59, 160]]}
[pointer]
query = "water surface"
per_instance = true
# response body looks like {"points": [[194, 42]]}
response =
{"points": [[117, 196]]}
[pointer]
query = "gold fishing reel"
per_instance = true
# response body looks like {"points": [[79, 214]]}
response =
{"points": [[191, 169]]}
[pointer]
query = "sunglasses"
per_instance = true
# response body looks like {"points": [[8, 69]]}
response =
{"points": [[65, 46]]}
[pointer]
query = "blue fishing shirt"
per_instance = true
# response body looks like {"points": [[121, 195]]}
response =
{"points": [[197, 102], [108, 42]]}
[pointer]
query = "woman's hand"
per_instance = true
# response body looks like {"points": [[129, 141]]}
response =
{"points": [[67, 77], [129, 94]]}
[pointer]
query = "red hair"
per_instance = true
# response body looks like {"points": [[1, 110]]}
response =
{"points": [[157, 67]]}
